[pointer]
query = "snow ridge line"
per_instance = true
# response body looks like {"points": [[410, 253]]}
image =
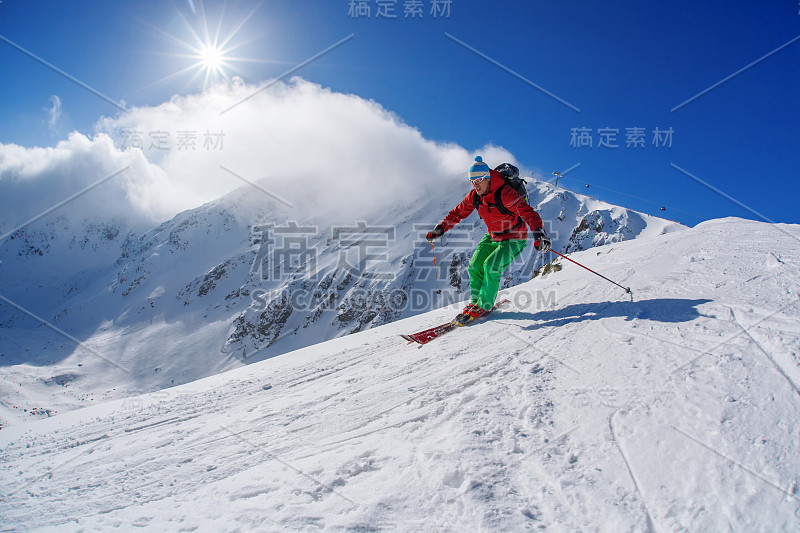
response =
{"points": [[459, 388], [318, 373], [650, 526], [774, 363], [51, 471], [289, 465], [160, 422], [731, 338], [782, 490]]}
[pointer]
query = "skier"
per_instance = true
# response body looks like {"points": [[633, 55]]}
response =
{"points": [[505, 240]]}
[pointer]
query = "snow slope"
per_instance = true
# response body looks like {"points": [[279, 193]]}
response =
{"points": [[192, 297], [675, 412]]}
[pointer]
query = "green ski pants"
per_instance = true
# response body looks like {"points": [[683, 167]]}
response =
{"points": [[486, 268]]}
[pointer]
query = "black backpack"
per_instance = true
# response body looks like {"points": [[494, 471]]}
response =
{"points": [[511, 175]]}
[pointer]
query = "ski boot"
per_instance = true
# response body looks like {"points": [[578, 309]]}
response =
{"points": [[468, 314]]}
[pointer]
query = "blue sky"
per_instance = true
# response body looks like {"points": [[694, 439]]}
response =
{"points": [[626, 65]]}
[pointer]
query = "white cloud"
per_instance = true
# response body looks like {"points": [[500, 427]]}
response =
{"points": [[54, 113], [307, 144], [33, 180]]}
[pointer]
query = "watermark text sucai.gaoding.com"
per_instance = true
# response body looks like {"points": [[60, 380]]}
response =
{"points": [[288, 250], [395, 9], [172, 140], [395, 300], [609, 138]]}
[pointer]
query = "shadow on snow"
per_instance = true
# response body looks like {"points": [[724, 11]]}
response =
{"points": [[657, 310]]}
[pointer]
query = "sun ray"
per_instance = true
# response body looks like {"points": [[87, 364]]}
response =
{"points": [[189, 27], [171, 76], [219, 25], [204, 21], [241, 24], [263, 61], [233, 47], [208, 45]]}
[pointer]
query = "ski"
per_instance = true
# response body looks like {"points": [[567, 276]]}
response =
{"points": [[425, 336]]}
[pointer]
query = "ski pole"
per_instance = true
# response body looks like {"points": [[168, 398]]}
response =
{"points": [[435, 271], [626, 289]]}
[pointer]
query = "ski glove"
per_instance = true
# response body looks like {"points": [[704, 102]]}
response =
{"points": [[540, 241], [438, 231]]}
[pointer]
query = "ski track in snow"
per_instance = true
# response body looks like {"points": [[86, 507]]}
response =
{"points": [[636, 485], [677, 412]]}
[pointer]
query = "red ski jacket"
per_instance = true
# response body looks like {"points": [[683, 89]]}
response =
{"points": [[502, 227]]}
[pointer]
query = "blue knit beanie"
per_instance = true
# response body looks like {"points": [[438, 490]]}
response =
{"points": [[479, 169]]}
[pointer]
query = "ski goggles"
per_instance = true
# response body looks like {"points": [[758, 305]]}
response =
{"points": [[479, 178]]}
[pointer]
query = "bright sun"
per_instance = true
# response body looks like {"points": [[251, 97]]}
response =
{"points": [[211, 52], [212, 58]]}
